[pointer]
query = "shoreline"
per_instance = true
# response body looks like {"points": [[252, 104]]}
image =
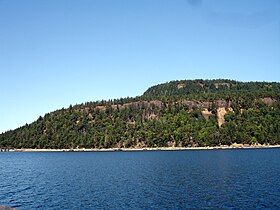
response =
{"points": [[224, 147]]}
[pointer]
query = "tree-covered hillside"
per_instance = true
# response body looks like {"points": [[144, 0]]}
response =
{"points": [[179, 113], [207, 89]]}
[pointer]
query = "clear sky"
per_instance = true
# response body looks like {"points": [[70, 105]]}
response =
{"points": [[54, 53]]}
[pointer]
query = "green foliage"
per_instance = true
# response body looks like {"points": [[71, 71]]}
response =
{"points": [[161, 118]]}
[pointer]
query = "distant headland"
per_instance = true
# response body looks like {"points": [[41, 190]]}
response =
{"points": [[178, 115]]}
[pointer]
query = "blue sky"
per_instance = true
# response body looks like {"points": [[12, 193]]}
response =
{"points": [[59, 52]]}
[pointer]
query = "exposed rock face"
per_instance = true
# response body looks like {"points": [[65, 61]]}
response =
{"points": [[206, 114], [101, 108], [221, 111], [217, 85], [180, 86], [192, 104], [137, 104], [221, 105], [268, 100], [206, 104]]}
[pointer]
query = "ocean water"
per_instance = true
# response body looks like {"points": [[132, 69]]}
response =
{"points": [[204, 179]]}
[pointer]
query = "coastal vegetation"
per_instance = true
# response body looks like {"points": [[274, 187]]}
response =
{"points": [[184, 113]]}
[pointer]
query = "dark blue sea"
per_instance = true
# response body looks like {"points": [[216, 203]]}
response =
{"points": [[203, 179]]}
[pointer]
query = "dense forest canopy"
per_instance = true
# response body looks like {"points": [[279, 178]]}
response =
{"points": [[178, 113]]}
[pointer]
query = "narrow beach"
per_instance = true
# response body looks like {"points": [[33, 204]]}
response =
{"points": [[233, 146]]}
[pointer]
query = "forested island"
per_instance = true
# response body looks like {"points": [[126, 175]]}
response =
{"points": [[186, 113]]}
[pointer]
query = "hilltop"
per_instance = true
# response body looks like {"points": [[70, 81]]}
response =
{"points": [[185, 113]]}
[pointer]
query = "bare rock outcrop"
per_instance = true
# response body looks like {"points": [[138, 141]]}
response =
{"points": [[221, 111], [206, 113]]}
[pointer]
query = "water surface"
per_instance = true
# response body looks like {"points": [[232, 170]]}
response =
{"points": [[204, 179]]}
